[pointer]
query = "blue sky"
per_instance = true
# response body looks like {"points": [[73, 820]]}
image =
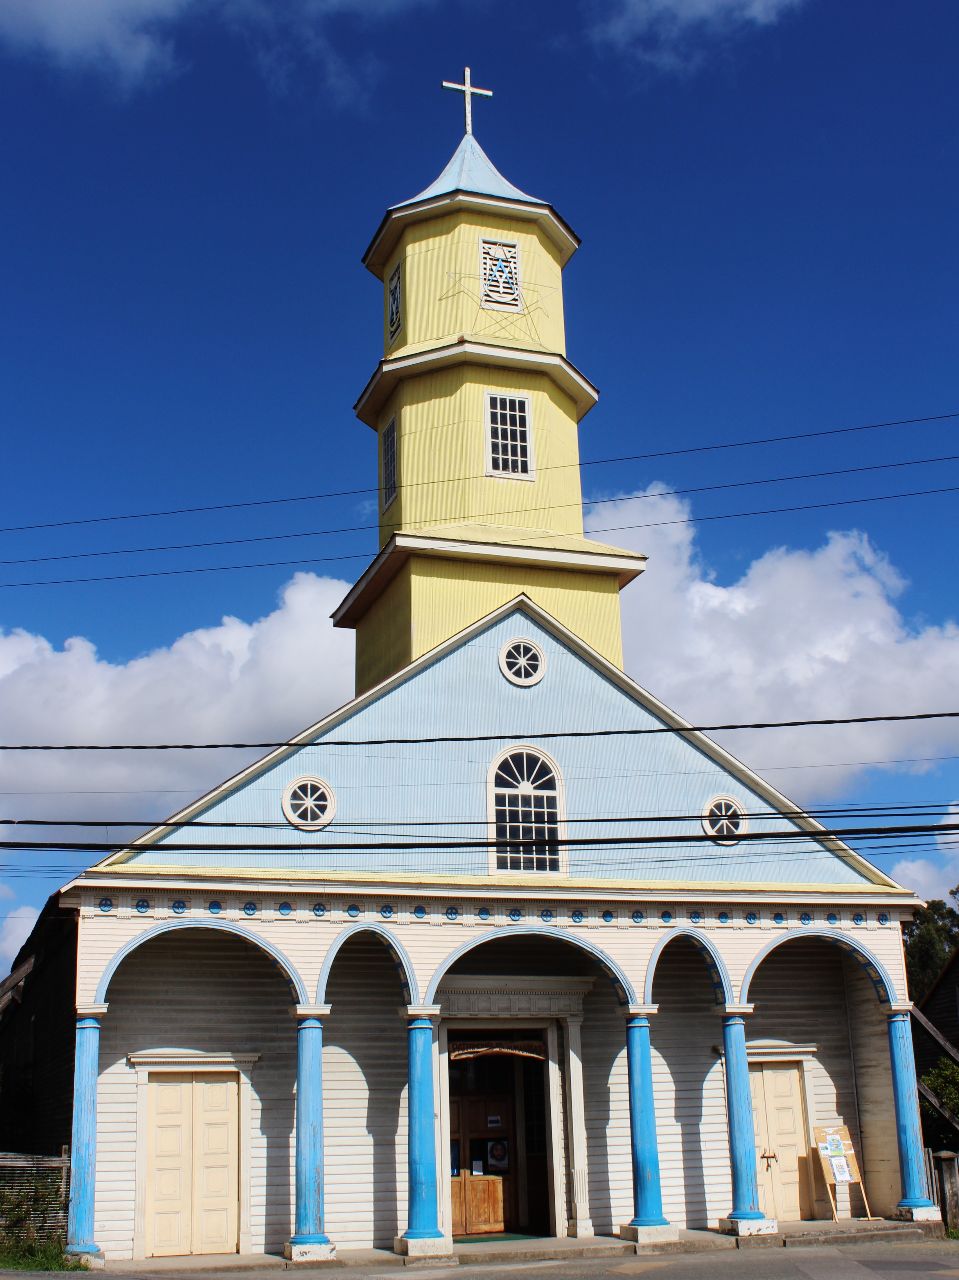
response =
{"points": [[767, 195]]}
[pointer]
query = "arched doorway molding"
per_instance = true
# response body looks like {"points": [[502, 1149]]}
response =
{"points": [[876, 971], [400, 958], [621, 984], [288, 970], [715, 965]]}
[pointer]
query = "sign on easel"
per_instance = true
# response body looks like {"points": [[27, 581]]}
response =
{"points": [[837, 1157]]}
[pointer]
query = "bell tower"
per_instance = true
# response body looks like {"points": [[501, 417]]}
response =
{"points": [[476, 409]]}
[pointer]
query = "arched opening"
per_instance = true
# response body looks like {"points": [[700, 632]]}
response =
{"points": [[819, 1058], [533, 1085], [365, 1092], [196, 1098], [687, 984]]}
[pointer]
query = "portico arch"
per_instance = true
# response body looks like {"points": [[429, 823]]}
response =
{"points": [[621, 984], [876, 972], [715, 965], [288, 970], [398, 954]]}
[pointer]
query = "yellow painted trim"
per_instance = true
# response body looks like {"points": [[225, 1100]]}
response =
{"points": [[688, 888]]}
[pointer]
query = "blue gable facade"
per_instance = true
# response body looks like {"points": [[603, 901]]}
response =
{"points": [[384, 791]]}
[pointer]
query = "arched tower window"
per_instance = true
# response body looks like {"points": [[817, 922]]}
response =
{"points": [[525, 804]]}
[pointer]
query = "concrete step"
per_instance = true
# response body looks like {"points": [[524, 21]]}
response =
{"points": [[547, 1251]]}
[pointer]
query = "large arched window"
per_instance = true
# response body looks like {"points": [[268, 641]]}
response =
{"points": [[526, 812]]}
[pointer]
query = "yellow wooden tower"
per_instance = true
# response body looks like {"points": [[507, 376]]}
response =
{"points": [[476, 408]]}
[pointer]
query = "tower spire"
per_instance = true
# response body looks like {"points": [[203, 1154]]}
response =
{"points": [[467, 89]]}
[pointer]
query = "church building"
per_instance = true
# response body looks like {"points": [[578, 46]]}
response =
{"points": [[503, 945]]}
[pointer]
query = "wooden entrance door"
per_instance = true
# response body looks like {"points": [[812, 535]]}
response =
{"points": [[192, 1201], [782, 1148]]}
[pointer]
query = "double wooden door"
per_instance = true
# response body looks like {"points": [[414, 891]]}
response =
{"points": [[782, 1146], [192, 1200], [483, 1151]]}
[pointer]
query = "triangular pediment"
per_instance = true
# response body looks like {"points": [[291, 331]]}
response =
{"points": [[408, 766]]}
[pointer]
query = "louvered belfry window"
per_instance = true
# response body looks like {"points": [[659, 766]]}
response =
{"points": [[389, 464], [509, 450], [526, 804], [499, 274]]}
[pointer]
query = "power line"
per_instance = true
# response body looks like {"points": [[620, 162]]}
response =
{"points": [[527, 846], [479, 737], [654, 524], [447, 522], [352, 825], [633, 773], [595, 462]]}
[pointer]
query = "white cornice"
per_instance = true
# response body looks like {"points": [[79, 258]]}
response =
{"points": [[395, 222], [402, 545], [466, 351]]}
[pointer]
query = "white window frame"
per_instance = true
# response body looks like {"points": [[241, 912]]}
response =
{"points": [[291, 817], [397, 274], [486, 303], [560, 812], [389, 499], [522, 684], [488, 428], [744, 820]]}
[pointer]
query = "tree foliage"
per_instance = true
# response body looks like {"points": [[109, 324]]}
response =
{"points": [[930, 939]]}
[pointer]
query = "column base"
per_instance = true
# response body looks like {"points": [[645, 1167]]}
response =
{"points": [[748, 1226], [424, 1247], [918, 1213], [663, 1233], [580, 1228], [307, 1250], [89, 1256]]}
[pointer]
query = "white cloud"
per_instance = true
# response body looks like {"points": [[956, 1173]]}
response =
{"points": [[136, 40], [14, 929], [801, 634], [933, 879], [238, 681], [673, 34]]}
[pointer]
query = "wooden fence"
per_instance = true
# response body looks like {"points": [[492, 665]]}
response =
{"points": [[34, 1193]]}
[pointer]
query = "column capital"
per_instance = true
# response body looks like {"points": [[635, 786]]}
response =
{"points": [[735, 1010], [91, 1010], [640, 1010], [899, 1006], [412, 1011], [302, 1011]]}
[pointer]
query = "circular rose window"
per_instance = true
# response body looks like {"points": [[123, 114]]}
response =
{"points": [[724, 820], [308, 803], [521, 662]]}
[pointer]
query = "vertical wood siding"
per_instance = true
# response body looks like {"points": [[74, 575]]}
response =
{"points": [[364, 1099], [207, 993], [441, 267], [606, 1100], [870, 1049]]}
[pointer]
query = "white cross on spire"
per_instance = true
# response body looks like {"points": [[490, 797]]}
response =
{"points": [[467, 89]]}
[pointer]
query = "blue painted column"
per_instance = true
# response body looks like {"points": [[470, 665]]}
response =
{"points": [[906, 1097], [83, 1154], [647, 1192], [309, 1133], [423, 1218], [739, 1112]]}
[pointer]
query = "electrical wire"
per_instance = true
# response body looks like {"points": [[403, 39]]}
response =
{"points": [[654, 524], [447, 521], [595, 462], [482, 737]]}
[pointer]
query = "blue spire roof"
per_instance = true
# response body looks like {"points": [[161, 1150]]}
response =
{"points": [[470, 169]]}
